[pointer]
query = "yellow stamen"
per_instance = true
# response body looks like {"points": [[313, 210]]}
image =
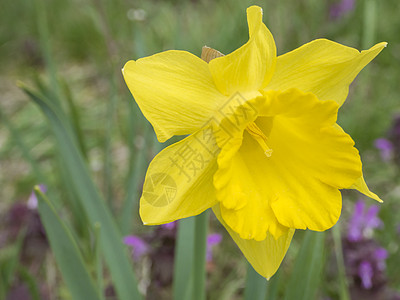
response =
{"points": [[260, 137]]}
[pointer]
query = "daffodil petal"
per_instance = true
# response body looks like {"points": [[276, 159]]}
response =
{"points": [[174, 90], [362, 187], [178, 182], [322, 67], [313, 158], [298, 185], [265, 256], [240, 187], [250, 67]]}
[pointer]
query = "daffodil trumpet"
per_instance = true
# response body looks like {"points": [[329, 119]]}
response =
{"points": [[263, 149]]}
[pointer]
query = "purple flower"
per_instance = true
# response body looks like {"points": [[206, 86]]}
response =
{"points": [[337, 10], [365, 272], [139, 246], [212, 240], [380, 255], [364, 258], [32, 200], [363, 222], [366, 263], [385, 148], [371, 265]]}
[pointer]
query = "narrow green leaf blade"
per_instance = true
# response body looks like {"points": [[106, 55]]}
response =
{"points": [[273, 286], [337, 240], [306, 275], [183, 259], [66, 252], [256, 285], [96, 210], [199, 256]]}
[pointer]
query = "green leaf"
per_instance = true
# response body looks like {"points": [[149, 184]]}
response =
{"points": [[15, 134], [273, 286], [66, 252], [111, 240], [256, 285], [306, 275], [183, 259], [98, 257], [137, 170], [199, 256], [337, 240]]}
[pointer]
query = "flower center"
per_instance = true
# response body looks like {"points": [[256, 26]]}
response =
{"points": [[260, 138]]}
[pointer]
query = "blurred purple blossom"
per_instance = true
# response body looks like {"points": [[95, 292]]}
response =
{"points": [[32, 200], [366, 272], [339, 9], [212, 240], [385, 148], [139, 246], [380, 256], [365, 259], [363, 221]]}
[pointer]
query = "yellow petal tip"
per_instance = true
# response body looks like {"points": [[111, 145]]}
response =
{"points": [[362, 187], [254, 8], [379, 46]]}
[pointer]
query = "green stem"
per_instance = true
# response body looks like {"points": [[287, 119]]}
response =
{"points": [[108, 157], [16, 135], [138, 170], [199, 262], [98, 259], [337, 240], [369, 23], [183, 261], [45, 45], [256, 285]]}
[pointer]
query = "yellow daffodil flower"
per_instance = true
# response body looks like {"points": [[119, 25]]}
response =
{"points": [[264, 150]]}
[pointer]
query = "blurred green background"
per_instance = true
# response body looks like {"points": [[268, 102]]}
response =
{"points": [[73, 51]]}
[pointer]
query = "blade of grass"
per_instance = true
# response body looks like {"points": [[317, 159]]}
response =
{"points": [[199, 263], [273, 286], [137, 171], [306, 275], [108, 158], [66, 252], [97, 254], [95, 207], [337, 240], [16, 136], [256, 285], [183, 261], [369, 26], [75, 119], [44, 41], [79, 216]]}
